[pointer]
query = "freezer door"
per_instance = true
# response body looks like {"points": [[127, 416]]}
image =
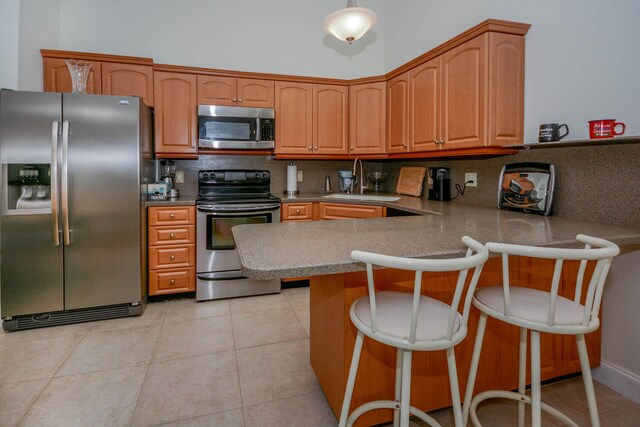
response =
{"points": [[31, 264], [100, 200]]}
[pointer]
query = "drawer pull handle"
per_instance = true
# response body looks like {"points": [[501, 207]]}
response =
{"points": [[172, 257], [172, 216], [172, 235], [172, 281]]}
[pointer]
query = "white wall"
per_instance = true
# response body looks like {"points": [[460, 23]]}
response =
{"points": [[39, 29], [276, 36], [581, 55], [9, 15]]}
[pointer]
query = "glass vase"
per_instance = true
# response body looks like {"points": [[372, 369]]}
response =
{"points": [[79, 71]]}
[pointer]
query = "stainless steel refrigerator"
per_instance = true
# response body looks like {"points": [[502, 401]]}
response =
{"points": [[73, 224]]}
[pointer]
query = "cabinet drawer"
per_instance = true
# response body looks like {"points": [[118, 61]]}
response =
{"points": [[297, 212], [169, 282], [172, 256], [348, 211], [172, 235], [172, 215]]}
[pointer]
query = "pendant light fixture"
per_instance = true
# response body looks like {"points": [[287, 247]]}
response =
{"points": [[350, 23]]}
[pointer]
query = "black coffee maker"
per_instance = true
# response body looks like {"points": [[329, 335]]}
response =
{"points": [[441, 184]]}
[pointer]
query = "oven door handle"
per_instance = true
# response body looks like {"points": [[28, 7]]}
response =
{"points": [[225, 210]]}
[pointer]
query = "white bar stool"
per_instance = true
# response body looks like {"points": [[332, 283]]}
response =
{"points": [[542, 311], [411, 322]]}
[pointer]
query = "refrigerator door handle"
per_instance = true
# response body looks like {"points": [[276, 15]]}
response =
{"points": [[65, 183], [54, 183]]}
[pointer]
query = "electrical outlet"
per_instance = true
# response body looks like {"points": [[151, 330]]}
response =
{"points": [[299, 176], [471, 179], [179, 177]]}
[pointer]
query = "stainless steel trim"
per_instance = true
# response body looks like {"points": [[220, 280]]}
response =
{"points": [[54, 183], [236, 145], [245, 112], [239, 208], [65, 183], [221, 275]]}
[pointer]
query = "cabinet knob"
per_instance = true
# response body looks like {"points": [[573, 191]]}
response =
{"points": [[350, 148], [404, 145], [315, 148], [172, 257], [239, 100], [172, 235], [172, 216], [310, 148], [298, 211], [234, 99], [172, 281]]}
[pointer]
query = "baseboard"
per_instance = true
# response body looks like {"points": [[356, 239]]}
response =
{"points": [[618, 379]]}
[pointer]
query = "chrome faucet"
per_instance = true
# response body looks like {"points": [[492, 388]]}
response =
{"points": [[361, 179]]}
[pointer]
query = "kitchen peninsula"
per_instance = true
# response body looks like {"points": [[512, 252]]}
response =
{"points": [[322, 250]]}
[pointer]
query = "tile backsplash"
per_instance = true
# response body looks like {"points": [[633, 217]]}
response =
{"points": [[598, 183]]}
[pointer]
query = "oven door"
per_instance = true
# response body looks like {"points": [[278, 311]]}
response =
{"points": [[216, 251]]}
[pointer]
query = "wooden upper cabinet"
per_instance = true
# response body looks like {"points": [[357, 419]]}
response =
{"points": [[463, 92], [330, 119], [367, 118], [175, 115], [424, 106], [256, 93], [397, 113], [506, 89], [294, 118], [57, 77], [128, 80], [231, 91]]}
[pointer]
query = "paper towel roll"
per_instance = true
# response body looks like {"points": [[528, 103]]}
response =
{"points": [[292, 179]]}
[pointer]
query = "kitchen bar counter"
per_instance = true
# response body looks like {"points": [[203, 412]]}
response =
{"points": [[297, 249]]}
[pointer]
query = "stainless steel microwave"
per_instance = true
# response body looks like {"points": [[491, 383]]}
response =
{"points": [[241, 128]]}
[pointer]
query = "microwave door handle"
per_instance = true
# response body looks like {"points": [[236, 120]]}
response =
{"points": [[258, 130], [54, 183]]}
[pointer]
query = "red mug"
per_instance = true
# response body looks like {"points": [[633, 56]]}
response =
{"points": [[605, 128]]}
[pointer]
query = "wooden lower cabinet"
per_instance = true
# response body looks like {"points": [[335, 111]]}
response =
{"points": [[333, 338], [172, 249], [349, 211], [299, 212]]}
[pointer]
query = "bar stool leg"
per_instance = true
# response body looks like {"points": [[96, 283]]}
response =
{"points": [[522, 374], [406, 388], [396, 414], [455, 389], [588, 381], [353, 371], [536, 407], [473, 369]]}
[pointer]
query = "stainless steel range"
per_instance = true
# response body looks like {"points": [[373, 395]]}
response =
{"points": [[227, 198]]}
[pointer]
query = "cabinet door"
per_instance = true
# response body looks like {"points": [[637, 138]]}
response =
{"points": [[506, 89], [463, 92], [175, 114], [255, 93], [397, 113], [294, 118], [297, 212], [424, 106], [367, 118], [58, 79], [330, 119], [128, 80], [348, 211], [215, 90]]}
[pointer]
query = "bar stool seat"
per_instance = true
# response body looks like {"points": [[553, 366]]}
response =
{"points": [[534, 311], [412, 322]]}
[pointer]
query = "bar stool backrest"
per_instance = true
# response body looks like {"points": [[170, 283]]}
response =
{"points": [[599, 250], [475, 258]]}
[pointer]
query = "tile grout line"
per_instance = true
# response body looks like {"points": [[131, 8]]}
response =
{"points": [[235, 352], [146, 373], [84, 334]]}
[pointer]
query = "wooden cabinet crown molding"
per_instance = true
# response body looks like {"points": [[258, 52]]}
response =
{"points": [[87, 56], [490, 25]]}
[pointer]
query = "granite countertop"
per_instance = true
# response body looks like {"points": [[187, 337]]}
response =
{"points": [[296, 249]]}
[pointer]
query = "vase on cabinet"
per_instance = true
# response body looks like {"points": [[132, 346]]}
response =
{"points": [[79, 71]]}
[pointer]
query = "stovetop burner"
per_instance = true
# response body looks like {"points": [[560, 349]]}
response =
{"points": [[234, 186]]}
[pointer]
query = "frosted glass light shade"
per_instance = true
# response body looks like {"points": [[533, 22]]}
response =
{"points": [[350, 23]]}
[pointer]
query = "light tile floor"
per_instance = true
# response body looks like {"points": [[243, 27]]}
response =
{"points": [[238, 362]]}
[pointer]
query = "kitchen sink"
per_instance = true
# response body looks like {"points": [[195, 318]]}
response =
{"points": [[361, 197]]}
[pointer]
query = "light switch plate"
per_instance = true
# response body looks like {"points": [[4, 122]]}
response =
{"points": [[299, 176], [179, 177]]}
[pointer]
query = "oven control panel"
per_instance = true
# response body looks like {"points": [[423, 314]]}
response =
{"points": [[229, 176]]}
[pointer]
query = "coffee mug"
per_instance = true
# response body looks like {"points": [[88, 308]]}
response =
{"points": [[605, 128], [551, 132]]}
